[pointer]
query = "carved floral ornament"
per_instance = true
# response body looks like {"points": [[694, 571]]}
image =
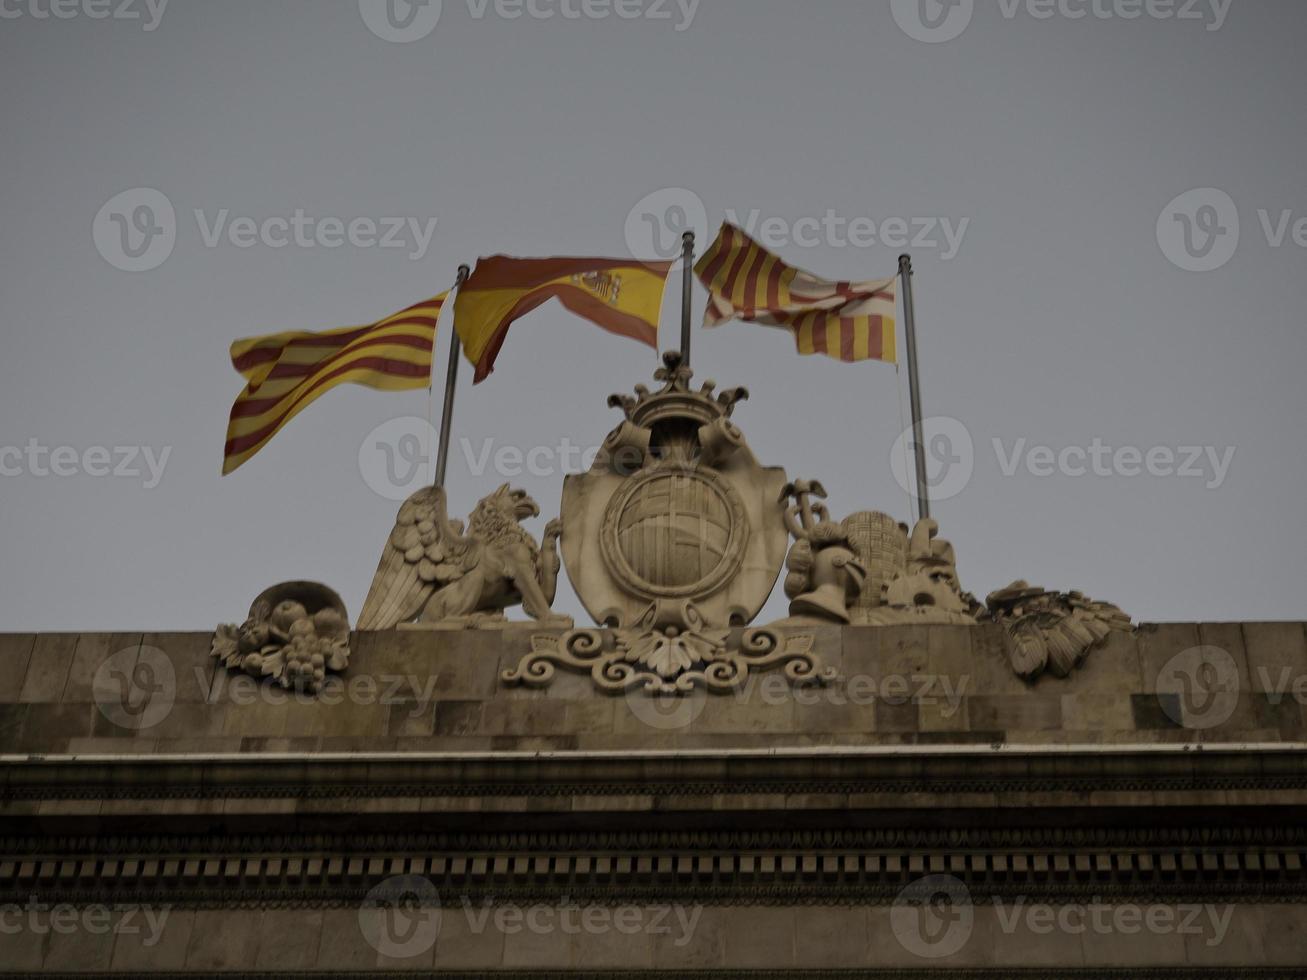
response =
{"points": [[673, 540]]}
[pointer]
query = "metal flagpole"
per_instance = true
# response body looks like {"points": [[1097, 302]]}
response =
{"points": [[687, 279], [914, 387], [451, 382]]}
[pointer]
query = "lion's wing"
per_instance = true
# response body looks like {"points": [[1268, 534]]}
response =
{"points": [[422, 555]]}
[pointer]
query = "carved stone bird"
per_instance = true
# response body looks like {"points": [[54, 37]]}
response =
{"points": [[1051, 631]]}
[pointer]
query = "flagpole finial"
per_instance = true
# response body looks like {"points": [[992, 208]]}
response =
{"points": [[463, 272], [905, 262]]}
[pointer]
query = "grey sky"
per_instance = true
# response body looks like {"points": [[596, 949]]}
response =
{"points": [[1060, 319]]}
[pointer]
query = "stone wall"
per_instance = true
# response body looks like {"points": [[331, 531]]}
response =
{"points": [[1143, 817], [440, 691]]}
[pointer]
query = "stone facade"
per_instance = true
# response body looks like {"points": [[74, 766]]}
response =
{"points": [[926, 809]]}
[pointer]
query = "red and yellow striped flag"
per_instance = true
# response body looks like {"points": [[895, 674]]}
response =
{"points": [[851, 321], [624, 296], [287, 372]]}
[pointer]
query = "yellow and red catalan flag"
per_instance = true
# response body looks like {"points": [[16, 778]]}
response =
{"points": [[287, 372], [623, 296], [851, 321]]}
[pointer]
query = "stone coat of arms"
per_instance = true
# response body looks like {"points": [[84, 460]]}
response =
{"points": [[675, 513]]}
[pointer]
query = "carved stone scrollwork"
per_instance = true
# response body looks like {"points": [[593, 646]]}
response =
{"points": [[671, 651]]}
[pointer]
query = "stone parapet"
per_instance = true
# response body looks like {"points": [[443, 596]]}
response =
{"points": [[443, 691], [924, 810]]}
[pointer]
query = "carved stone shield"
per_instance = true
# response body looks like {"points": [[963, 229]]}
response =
{"points": [[675, 509]]}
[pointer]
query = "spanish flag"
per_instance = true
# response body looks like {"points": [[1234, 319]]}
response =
{"points": [[622, 296], [287, 372], [851, 321]]}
